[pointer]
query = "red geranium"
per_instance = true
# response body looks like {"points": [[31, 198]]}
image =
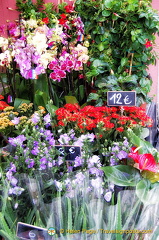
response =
{"points": [[120, 129]]}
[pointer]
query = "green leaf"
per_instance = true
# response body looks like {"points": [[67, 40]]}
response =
{"points": [[141, 40], [5, 229], [19, 101], [108, 3], [106, 13], [144, 82], [101, 47], [99, 63], [124, 61], [147, 192], [71, 99], [51, 108], [69, 218], [41, 83], [119, 218], [146, 147], [92, 96], [6, 235], [92, 73], [122, 175], [4, 78], [142, 132], [82, 91], [101, 83], [41, 98]]}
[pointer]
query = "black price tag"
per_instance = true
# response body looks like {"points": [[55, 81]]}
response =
{"points": [[69, 152], [30, 232], [121, 98]]}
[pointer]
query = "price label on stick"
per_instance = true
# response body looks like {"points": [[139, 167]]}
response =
{"points": [[30, 232], [121, 98], [69, 152]]}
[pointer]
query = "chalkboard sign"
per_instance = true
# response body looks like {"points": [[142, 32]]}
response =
{"points": [[121, 98], [30, 232], [68, 152]]}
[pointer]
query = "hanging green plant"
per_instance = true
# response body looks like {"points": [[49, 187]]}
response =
{"points": [[121, 36]]}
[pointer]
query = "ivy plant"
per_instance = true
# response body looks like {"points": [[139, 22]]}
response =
{"points": [[121, 36]]}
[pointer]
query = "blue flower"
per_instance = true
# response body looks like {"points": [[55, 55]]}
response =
{"points": [[122, 154], [78, 161], [96, 171], [47, 118], [17, 140], [35, 151], [64, 139]]}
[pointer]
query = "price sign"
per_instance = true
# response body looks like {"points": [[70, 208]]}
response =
{"points": [[121, 98], [69, 152], [30, 232]]}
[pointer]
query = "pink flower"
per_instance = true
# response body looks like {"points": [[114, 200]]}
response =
{"points": [[15, 120], [62, 74], [70, 63], [145, 161], [78, 65], [53, 64], [53, 76], [64, 66], [80, 76]]}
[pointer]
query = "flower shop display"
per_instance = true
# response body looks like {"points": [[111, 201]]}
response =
{"points": [[69, 162]]}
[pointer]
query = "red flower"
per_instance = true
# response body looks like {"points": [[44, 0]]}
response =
{"points": [[146, 161], [148, 44], [62, 21], [1, 97], [120, 129], [2, 103], [63, 16], [72, 107], [69, 9], [80, 76], [45, 20], [88, 63]]}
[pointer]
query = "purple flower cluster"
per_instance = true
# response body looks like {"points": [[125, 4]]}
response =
{"points": [[117, 152], [14, 189], [26, 55], [36, 151], [17, 140]]}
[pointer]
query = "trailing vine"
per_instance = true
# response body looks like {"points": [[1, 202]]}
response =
{"points": [[121, 35]]}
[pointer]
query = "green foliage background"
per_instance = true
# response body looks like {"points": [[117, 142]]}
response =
{"points": [[117, 32]]}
